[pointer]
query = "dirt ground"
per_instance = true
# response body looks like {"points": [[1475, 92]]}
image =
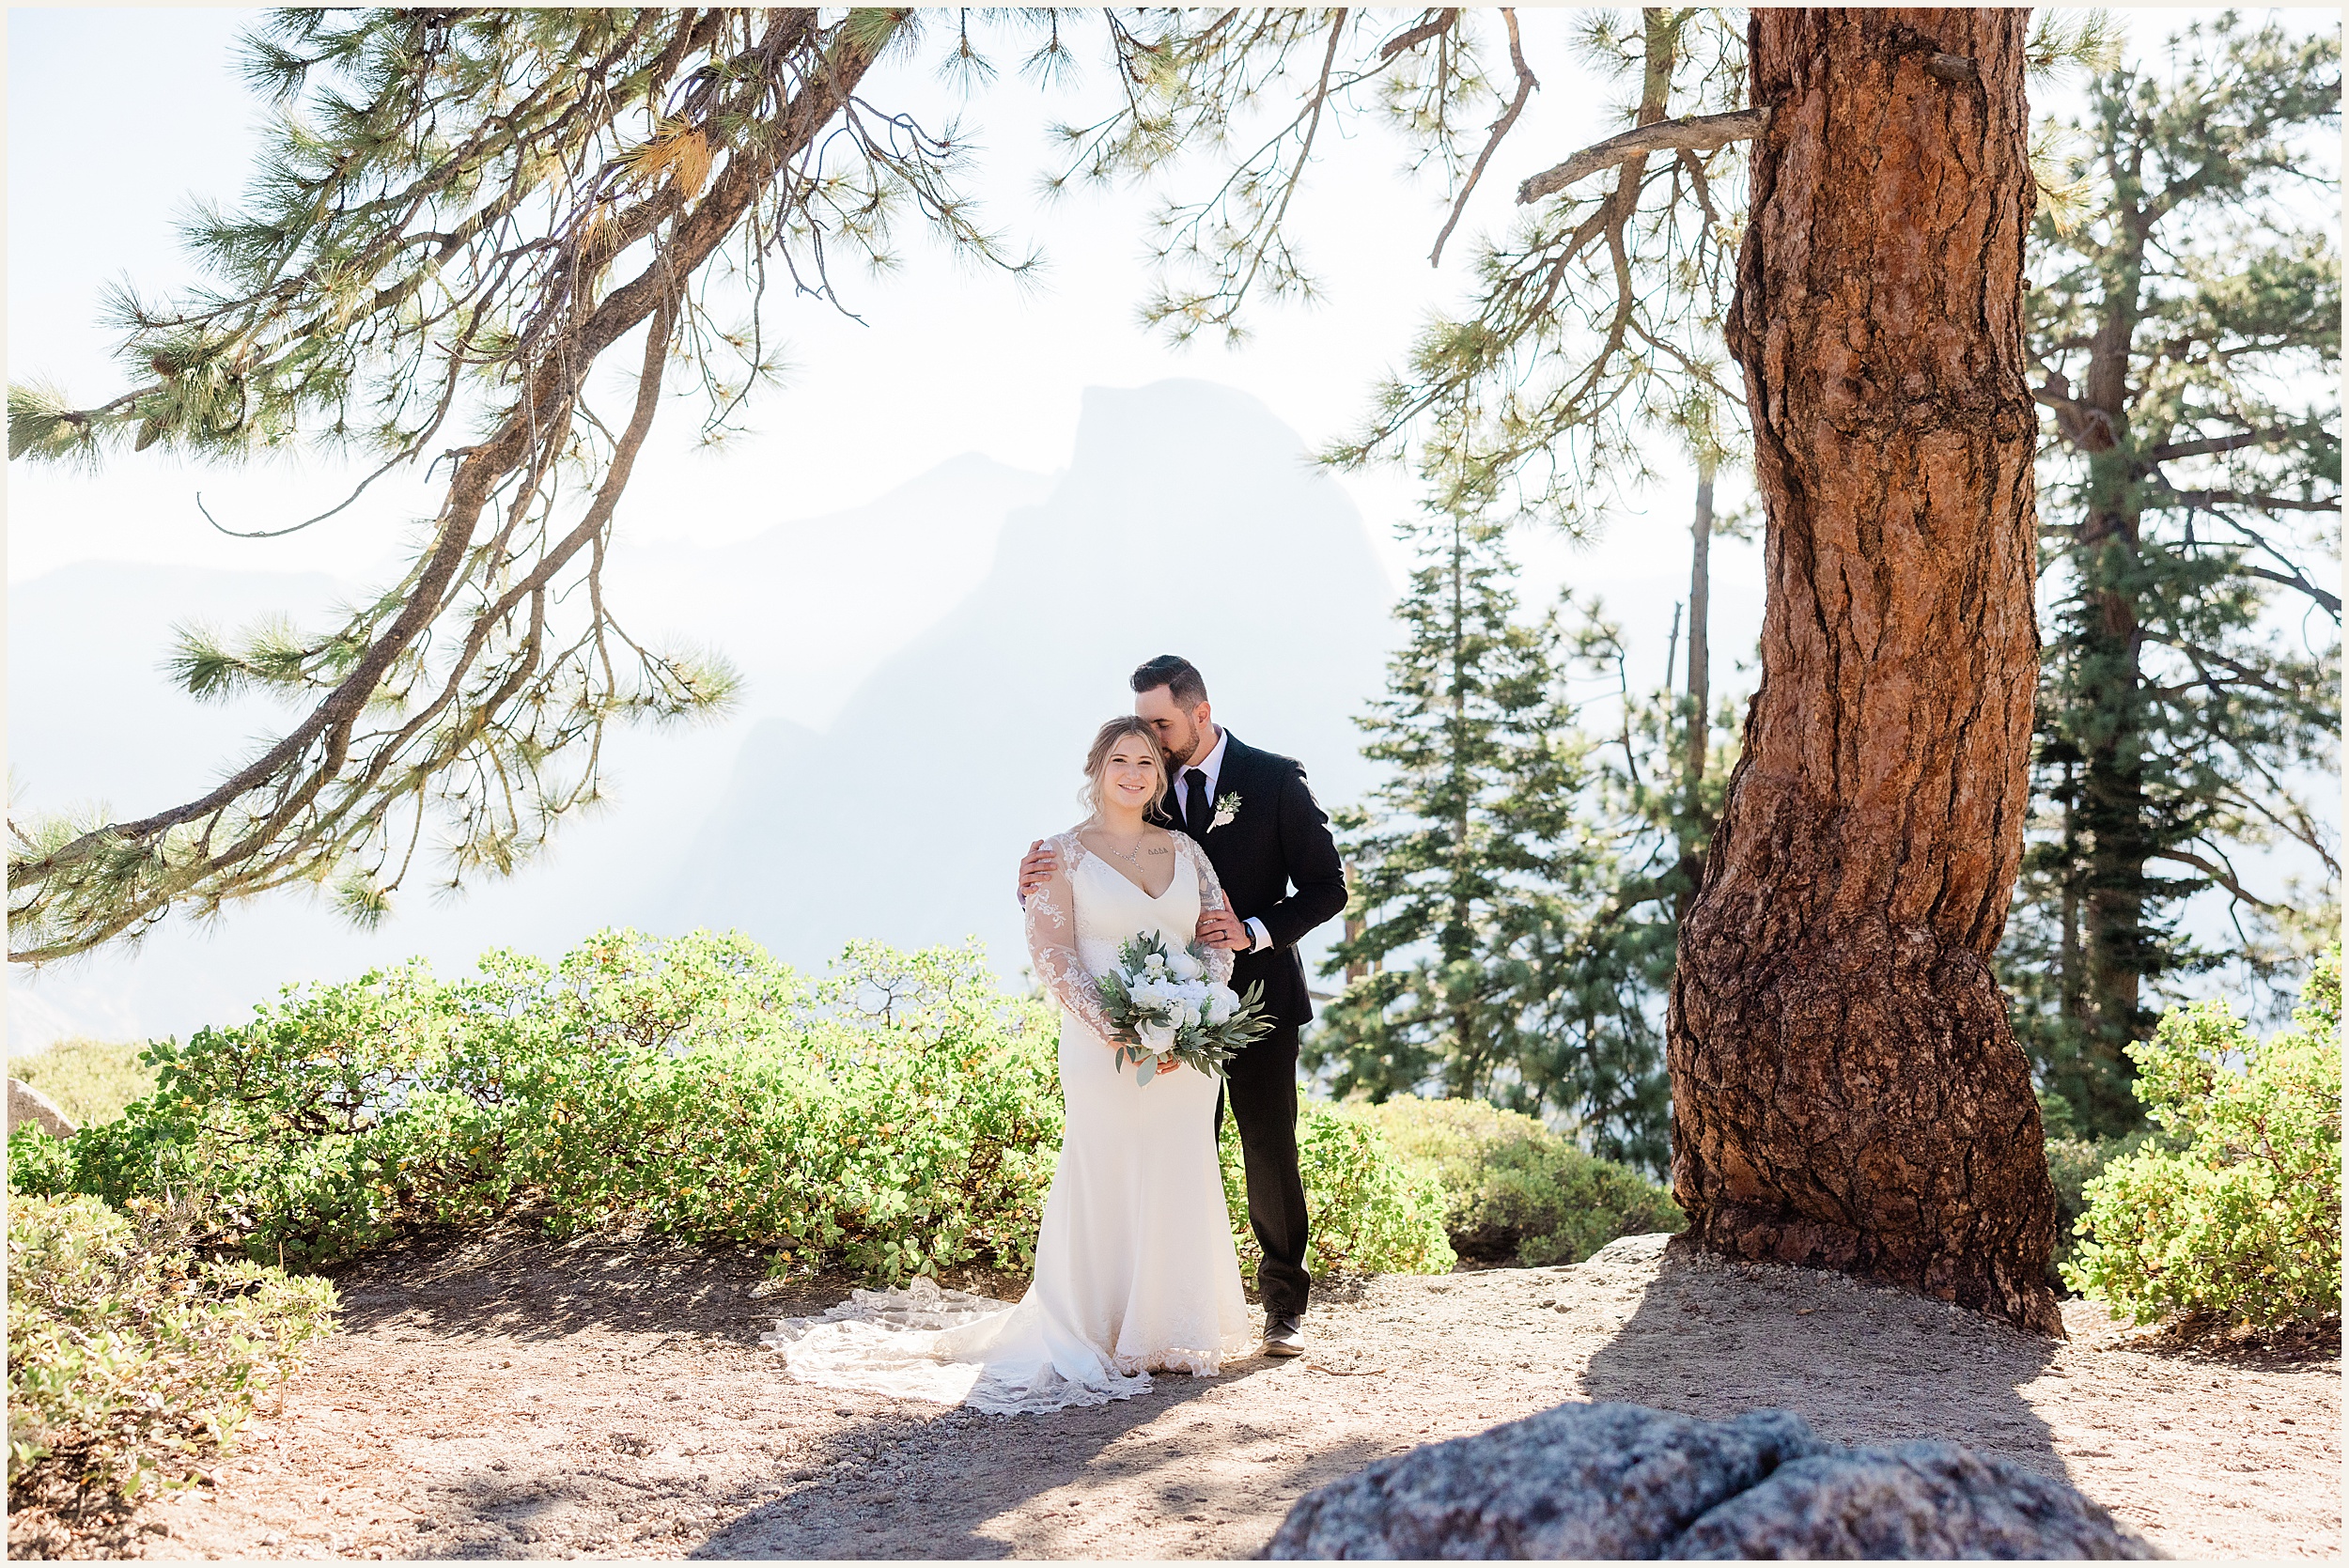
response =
{"points": [[510, 1398]]}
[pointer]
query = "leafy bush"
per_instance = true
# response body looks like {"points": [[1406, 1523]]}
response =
{"points": [[901, 1116], [1366, 1210], [2243, 1221], [1514, 1190], [90, 1080], [2072, 1163], [128, 1357]]}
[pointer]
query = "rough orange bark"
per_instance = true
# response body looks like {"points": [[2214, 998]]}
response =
{"points": [[1846, 1089]]}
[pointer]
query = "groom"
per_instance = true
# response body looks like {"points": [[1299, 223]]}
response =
{"points": [[1264, 836]]}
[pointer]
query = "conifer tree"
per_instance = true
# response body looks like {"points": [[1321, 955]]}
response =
{"points": [[1469, 852], [2186, 333]]}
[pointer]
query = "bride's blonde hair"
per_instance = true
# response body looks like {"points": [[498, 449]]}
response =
{"points": [[1098, 758]]}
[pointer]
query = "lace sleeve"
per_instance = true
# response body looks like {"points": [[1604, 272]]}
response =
{"points": [[1210, 897], [1052, 926]]}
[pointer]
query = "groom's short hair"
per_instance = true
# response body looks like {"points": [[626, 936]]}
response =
{"points": [[1180, 678]]}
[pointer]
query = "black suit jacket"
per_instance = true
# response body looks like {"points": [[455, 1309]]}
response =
{"points": [[1277, 863]]}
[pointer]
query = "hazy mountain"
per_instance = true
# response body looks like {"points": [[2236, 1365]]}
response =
{"points": [[1190, 522], [922, 675], [807, 609]]}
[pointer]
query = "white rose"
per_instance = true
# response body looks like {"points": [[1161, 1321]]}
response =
{"points": [[1158, 1036], [1155, 963], [1185, 966]]}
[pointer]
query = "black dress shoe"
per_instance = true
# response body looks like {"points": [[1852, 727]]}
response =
{"points": [[1283, 1336]]}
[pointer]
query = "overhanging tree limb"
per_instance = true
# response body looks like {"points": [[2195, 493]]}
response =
{"points": [[1697, 133], [1526, 83], [438, 236], [2243, 498]]}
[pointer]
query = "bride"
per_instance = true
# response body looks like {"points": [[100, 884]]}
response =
{"points": [[1135, 1270]]}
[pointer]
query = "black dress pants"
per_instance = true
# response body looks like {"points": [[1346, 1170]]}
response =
{"points": [[1261, 1084]]}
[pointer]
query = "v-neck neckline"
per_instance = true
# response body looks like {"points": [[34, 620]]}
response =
{"points": [[1153, 897]]}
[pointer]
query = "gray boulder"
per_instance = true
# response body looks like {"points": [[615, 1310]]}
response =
{"points": [[1623, 1481], [1910, 1500], [28, 1104], [1579, 1480]]}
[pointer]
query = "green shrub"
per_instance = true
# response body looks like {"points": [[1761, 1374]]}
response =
{"points": [[1366, 1210], [900, 1116], [1514, 1190], [2072, 1163], [90, 1080], [128, 1357], [2242, 1222]]}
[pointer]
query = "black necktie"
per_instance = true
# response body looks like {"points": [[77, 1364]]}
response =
{"points": [[1195, 803]]}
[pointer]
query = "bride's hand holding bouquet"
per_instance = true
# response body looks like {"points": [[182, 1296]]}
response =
{"points": [[1169, 1013]]}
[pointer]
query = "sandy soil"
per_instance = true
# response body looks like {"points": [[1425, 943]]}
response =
{"points": [[508, 1398]]}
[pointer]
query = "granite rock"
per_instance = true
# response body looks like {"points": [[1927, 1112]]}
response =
{"points": [[1623, 1481], [1907, 1502], [1577, 1481]]}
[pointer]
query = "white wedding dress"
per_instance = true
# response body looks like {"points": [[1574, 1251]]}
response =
{"points": [[1135, 1270]]}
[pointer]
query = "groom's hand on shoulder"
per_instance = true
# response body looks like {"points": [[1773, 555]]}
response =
{"points": [[1037, 869]]}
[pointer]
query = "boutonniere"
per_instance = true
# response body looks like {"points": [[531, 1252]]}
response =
{"points": [[1225, 809]]}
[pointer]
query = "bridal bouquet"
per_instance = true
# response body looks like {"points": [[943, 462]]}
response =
{"points": [[1163, 1004]]}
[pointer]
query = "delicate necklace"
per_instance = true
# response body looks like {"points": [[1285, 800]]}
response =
{"points": [[1131, 857]]}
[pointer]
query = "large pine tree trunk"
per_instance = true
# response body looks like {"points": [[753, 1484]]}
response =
{"points": [[1846, 1089]]}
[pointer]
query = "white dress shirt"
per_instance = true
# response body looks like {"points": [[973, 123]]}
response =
{"points": [[1212, 766]]}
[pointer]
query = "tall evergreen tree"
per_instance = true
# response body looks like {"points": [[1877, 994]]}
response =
{"points": [[1469, 849], [2187, 340]]}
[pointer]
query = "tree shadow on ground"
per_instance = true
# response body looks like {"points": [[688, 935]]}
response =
{"points": [[966, 1471], [511, 1282], [822, 1489], [1862, 1362]]}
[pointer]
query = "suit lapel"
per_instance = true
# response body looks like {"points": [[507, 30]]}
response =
{"points": [[1229, 778]]}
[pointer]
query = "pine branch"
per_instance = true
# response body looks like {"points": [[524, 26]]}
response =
{"points": [[2243, 498], [1526, 83], [1698, 133], [510, 697], [2174, 450], [2215, 873], [2330, 601], [1434, 26]]}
